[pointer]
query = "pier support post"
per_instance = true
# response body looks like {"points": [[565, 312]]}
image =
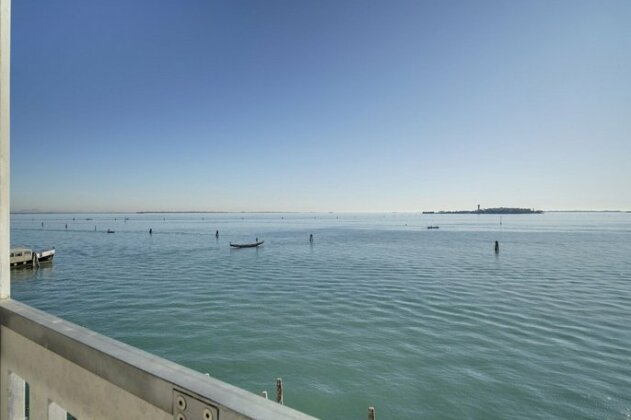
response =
{"points": [[371, 413], [279, 391], [5, 157]]}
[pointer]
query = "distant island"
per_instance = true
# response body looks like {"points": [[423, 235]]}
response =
{"points": [[495, 210]]}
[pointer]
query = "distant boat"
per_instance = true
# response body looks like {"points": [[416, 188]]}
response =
{"points": [[251, 245], [110, 231], [433, 227], [26, 257]]}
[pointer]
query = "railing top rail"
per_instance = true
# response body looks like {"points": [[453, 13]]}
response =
{"points": [[147, 376]]}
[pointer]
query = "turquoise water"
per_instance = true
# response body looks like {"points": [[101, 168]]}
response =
{"points": [[377, 311]]}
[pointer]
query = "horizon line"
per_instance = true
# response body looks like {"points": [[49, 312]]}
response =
{"points": [[287, 211]]}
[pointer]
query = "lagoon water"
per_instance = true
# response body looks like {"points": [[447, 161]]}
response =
{"points": [[377, 311]]}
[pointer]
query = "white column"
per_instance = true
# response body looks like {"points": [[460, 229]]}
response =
{"points": [[5, 242], [16, 397], [56, 412]]}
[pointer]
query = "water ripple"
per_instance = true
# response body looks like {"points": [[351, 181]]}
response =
{"points": [[420, 324]]}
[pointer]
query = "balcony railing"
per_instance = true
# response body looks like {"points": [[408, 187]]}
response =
{"points": [[70, 369]]}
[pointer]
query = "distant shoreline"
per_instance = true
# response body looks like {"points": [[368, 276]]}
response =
{"points": [[482, 211], [494, 210]]}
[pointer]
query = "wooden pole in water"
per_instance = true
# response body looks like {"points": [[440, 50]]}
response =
{"points": [[371, 413], [279, 391]]}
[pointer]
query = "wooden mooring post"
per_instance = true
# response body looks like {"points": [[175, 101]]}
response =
{"points": [[279, 391]]}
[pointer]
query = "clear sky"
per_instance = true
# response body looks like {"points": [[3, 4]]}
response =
{"points": [[304, 105]]}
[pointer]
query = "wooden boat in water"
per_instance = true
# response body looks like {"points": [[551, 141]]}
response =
{"points": [[432, 227], [252, 245], [26, 257]]}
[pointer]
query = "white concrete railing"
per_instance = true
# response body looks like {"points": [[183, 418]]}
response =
{"points": [[70, 369]]}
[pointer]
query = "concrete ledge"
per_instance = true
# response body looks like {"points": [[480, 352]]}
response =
{"points": [[139, 373]]}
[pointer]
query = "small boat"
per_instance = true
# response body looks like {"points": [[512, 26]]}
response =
{"points": [[433, 227], [26, 257], [252, 245], [110, 231]]}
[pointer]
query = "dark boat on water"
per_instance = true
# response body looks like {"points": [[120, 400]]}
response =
{"points": [[433, 227], [252, 245]]}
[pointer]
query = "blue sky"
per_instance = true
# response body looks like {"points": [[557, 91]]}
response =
{"points": [[296, 105]]}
